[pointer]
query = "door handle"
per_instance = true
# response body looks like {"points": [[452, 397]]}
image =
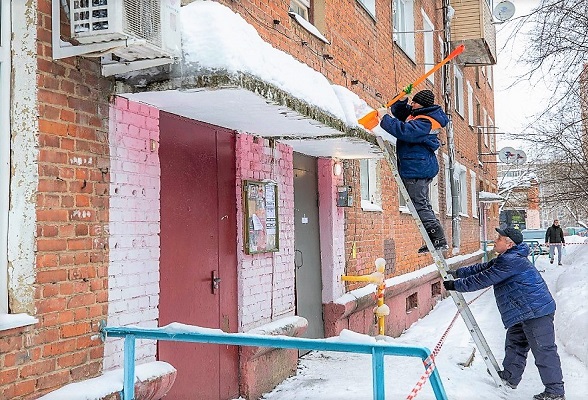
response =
{"points": [[215, 280]]}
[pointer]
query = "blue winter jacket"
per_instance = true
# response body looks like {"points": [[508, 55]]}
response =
{"points": [[519, 289], [416, 143]]}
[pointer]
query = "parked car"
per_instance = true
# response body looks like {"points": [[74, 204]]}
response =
{"points": [[536, 240]]}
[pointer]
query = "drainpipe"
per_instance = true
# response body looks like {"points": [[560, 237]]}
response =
{"points": [[455, 225]]}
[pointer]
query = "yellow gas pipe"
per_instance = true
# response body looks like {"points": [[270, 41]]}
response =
{"points": [[381, 310]]}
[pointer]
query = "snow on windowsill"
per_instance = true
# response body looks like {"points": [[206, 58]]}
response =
{"points": [[309, 27], [369, 206], [11, 321]]}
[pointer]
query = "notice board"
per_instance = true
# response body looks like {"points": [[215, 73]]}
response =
{"points": [[261, 216]]}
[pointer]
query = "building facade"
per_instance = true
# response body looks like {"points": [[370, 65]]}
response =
{"points": [[206, 192]]}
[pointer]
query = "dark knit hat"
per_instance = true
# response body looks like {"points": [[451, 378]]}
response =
{"points": [[513, 234], [425, 98]]}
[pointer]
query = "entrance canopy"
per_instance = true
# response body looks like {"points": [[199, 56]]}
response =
{"points": [[230, 77]]}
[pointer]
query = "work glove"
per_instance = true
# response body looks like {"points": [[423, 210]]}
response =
{"points": [[382, 111], [452, 274], [407, 89], [449, 285]]}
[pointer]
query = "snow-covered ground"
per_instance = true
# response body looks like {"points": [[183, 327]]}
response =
{"points": [[329, 375]]}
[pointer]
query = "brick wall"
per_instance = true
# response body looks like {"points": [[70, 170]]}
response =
{"points": [[266, 280], [133, 285], [71, 199]]}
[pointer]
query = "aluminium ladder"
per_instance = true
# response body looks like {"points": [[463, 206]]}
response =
{"points": [[458, 298]]}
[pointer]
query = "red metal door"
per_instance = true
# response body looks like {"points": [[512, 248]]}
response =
{"points": [[198, 245]]}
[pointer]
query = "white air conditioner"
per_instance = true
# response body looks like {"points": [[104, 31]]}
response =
{"points": [[152, 26]]}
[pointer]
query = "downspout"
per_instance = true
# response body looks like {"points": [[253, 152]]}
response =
{"points": [[455, 225]]}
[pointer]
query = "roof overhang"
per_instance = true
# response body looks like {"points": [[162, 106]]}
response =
{"points": [[245, 103]]}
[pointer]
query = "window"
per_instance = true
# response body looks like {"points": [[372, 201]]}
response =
{"points": [[462, 187], [300, 11], [474, 194], [4, 149], [301, 7], [370, 193], [412, 302], [458, 88], [403, 15], [370, 6], [442, 52], [448, 205], [470, 104], [428, 45]]}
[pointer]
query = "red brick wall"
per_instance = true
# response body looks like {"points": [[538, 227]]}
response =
{"points": [[381, 69], [72, 233]]}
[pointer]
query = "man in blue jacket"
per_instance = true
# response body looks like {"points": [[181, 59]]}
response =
{"points": [[415, 128], [526, 308]]}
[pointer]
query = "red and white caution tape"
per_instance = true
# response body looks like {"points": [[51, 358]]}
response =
{"points": [[429, 362]]}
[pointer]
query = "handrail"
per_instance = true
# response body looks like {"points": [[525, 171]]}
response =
{"points": [[206, 335], [533, 244]]}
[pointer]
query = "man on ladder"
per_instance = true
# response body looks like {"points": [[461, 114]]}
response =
{"points": [[415, 128], [424, 124]]}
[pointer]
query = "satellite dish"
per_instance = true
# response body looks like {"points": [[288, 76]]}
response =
{"points": [[507, 155], [504, 11], [520, 157]]}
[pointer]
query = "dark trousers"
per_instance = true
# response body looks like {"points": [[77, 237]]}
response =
{"points": [[538, 335], [418, 190]]}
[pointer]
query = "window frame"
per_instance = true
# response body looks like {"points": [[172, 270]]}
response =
{"points": [[448, 202], [403, 21], [428, 45], [372, 199], [462, 189], [303, 5], [471, 121], [5, 65], [458, 89], [474, 194], [369, 6]]}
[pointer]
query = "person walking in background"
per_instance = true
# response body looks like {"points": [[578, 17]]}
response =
{"points": [[555, 238], [416, 127], [526, 307]]}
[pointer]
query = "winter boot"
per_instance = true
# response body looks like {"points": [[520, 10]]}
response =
{"points": [[502, 375], [437, 237], [549, 396], [439, 245]]}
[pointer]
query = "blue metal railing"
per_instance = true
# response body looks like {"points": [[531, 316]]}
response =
{"points": [[535, 249], [377, 350]]}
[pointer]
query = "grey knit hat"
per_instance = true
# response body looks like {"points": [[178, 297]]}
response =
{"points": [[425, 98]]}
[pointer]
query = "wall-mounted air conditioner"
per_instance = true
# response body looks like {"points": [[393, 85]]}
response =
{"points": [[151, 25]]}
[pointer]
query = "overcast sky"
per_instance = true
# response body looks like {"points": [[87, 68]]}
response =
{"points": [[515, 104]]}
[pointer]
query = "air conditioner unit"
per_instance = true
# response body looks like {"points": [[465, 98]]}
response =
{"points": [[152, 26]]}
